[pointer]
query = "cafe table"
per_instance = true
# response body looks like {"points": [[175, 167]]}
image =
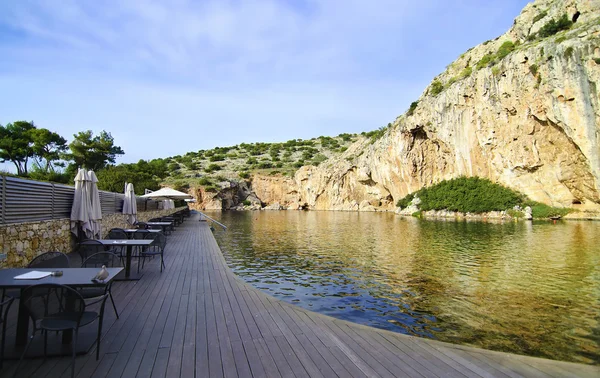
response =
{"points": [[164, 225], [73, 277], [129, 243], [131, 231]]}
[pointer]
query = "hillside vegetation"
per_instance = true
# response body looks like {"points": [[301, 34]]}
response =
{"points": [[208, 167]]}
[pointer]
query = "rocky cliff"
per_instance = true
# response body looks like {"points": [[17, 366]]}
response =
{"points": [[522, 110]]}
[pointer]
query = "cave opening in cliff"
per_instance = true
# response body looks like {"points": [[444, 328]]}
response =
{"points": [[575, 17], [419, 133], [576, 202]]}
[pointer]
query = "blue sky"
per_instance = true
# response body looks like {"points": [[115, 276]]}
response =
{"points": [[168, 77]]}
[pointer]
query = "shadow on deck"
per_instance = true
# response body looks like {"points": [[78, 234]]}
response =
{"points": [[197, 319]]}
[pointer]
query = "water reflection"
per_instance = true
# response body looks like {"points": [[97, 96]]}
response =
{"points": [[519, 287]]}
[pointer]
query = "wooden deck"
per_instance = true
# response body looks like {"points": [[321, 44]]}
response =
{"points": [[197, 319]]}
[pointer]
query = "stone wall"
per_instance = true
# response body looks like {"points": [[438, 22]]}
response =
{"points": [[22, 242]]}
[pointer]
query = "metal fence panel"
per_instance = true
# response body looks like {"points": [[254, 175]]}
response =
{"points": [[63, 201], [23, 200], [26, 200]]}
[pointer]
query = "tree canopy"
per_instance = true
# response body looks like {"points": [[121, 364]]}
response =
{"points": [[93, 152], [16, 144]]}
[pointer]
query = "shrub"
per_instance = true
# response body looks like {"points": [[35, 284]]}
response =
{"points": [[204, 181], [404, 202], [485, 61], [436, 88], [246, 202], [244, 174], [496, 71], [468, 195], [561, 39], [265, 164], [212, 168], [597, 60], [539, 210], [515, 213], [539, 16], [466, 72], [533, 69], [568, 52], [318, 159], [412, 108], [552, 27], [505, 49]]}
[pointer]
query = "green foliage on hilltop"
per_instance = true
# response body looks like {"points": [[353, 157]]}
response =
{"points": [[412, 108], [436, 88]]}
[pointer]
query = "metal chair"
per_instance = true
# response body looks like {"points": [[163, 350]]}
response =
{"points": [[108, 259], [50, 260], [89, 247], [117, 233], [156, 248], [168, 229], [141, 225], [4, 308], [55, 307]]}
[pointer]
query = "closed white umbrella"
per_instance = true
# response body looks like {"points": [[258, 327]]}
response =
{"points": [[80, 212], [129, 204], [95, 208]]}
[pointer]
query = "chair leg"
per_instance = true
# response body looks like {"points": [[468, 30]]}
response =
{"points": [[4, 317], [73, 349], [99, 336], [24, 353], [162, 263], [45, 344], [113, 303]]}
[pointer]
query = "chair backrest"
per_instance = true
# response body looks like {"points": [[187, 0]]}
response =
{"points": [[50, 260], [142, 225], [109, 259], [154, 227], [52, 300], [149, 235], [154, 220], [116, 233], [140, 234], [160, 241], [89, 247]]}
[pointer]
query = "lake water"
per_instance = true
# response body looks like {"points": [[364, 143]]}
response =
{"points": [[522, 287]]}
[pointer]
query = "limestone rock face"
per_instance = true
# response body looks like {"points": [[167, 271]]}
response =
{"points": [[529, 122]]}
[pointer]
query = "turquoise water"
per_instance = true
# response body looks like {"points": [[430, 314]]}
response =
{"points": [[522, 287]]}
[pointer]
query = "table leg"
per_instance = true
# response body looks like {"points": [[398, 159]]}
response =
{"points": [[22, 324], [128, 275], [128, 264]]}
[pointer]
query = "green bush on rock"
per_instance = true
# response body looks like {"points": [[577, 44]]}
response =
{"points": [[477, 195]]}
